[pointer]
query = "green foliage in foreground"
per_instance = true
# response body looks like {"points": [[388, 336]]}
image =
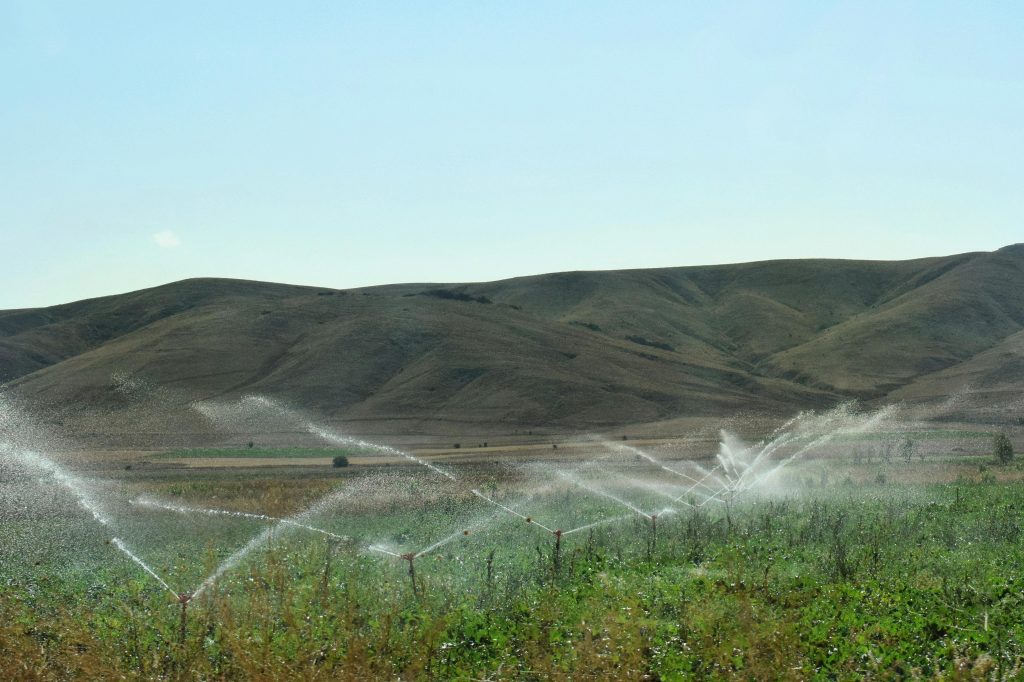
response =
{"points": [[879, 581], [255, 453]]}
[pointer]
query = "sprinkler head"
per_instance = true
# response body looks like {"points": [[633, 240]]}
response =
{"points": [[409, 556], [465, 532], [529, 520], [184, 598], [654, 517], [558, 533]]}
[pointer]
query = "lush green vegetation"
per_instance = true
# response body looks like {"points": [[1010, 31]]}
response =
{"points": [[843, 582]]}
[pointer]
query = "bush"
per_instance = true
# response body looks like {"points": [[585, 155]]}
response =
{"points": [[339, 461], [1002, 448], [450, 295], [653, 344], [907, 449]]}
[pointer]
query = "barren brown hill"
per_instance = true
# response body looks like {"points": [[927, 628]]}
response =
{"points": [[567, 351]]}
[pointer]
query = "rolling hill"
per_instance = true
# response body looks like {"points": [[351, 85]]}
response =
{"points": [[565, 352]]}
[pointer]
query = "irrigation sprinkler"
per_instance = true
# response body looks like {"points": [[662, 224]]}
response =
{"points": [[411, 558], [184, 598], [558, 551]]}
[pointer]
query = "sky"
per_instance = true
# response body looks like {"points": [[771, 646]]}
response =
{"points": [[350, 143]]}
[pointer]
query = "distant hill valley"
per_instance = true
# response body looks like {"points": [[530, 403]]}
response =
{"points": [[568, 352]]}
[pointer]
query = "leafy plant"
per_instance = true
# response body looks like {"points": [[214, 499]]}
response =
{"points": [[1002, 448]]}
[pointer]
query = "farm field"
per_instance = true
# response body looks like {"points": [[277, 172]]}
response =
{"points": [[511, 342], [851, 564]]}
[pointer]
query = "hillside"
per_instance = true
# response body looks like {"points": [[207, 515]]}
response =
{"points": [[573, 351]]}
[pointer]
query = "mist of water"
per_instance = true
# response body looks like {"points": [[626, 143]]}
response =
{"points": [[80, 489], [256, 403], [183, 509]]}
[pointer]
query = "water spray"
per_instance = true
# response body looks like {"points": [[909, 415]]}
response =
{"points": [[117, 542], [513, 512], [328, 434], [182, 509], [603, 493], [599, 522], [655, 461]]}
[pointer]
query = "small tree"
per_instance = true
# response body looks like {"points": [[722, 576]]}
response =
{"points": [[1003, 448], [339, 461], [907, 449]]}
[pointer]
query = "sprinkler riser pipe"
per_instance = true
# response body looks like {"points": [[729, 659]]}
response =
{"points": [[411, 558], [183, 599]]}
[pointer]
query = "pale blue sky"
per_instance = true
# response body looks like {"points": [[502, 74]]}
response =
{"points": [[352, 143]]}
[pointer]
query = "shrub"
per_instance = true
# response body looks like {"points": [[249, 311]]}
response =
{"points": [[653, 344], [907, 449], [339, 461], [450, 295], [1002, 448]]}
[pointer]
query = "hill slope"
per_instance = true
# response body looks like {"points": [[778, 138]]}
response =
{"points": [[566, 351]]}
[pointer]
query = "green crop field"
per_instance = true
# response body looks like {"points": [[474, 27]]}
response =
{"points": [[842, 580]]}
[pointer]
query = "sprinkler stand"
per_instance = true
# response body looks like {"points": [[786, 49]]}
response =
{"points": [[184, 598], [411, 558], [558, 550]]}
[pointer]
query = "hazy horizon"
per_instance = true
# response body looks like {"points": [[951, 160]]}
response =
{"points": [[479, 281], [343, 145]]}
